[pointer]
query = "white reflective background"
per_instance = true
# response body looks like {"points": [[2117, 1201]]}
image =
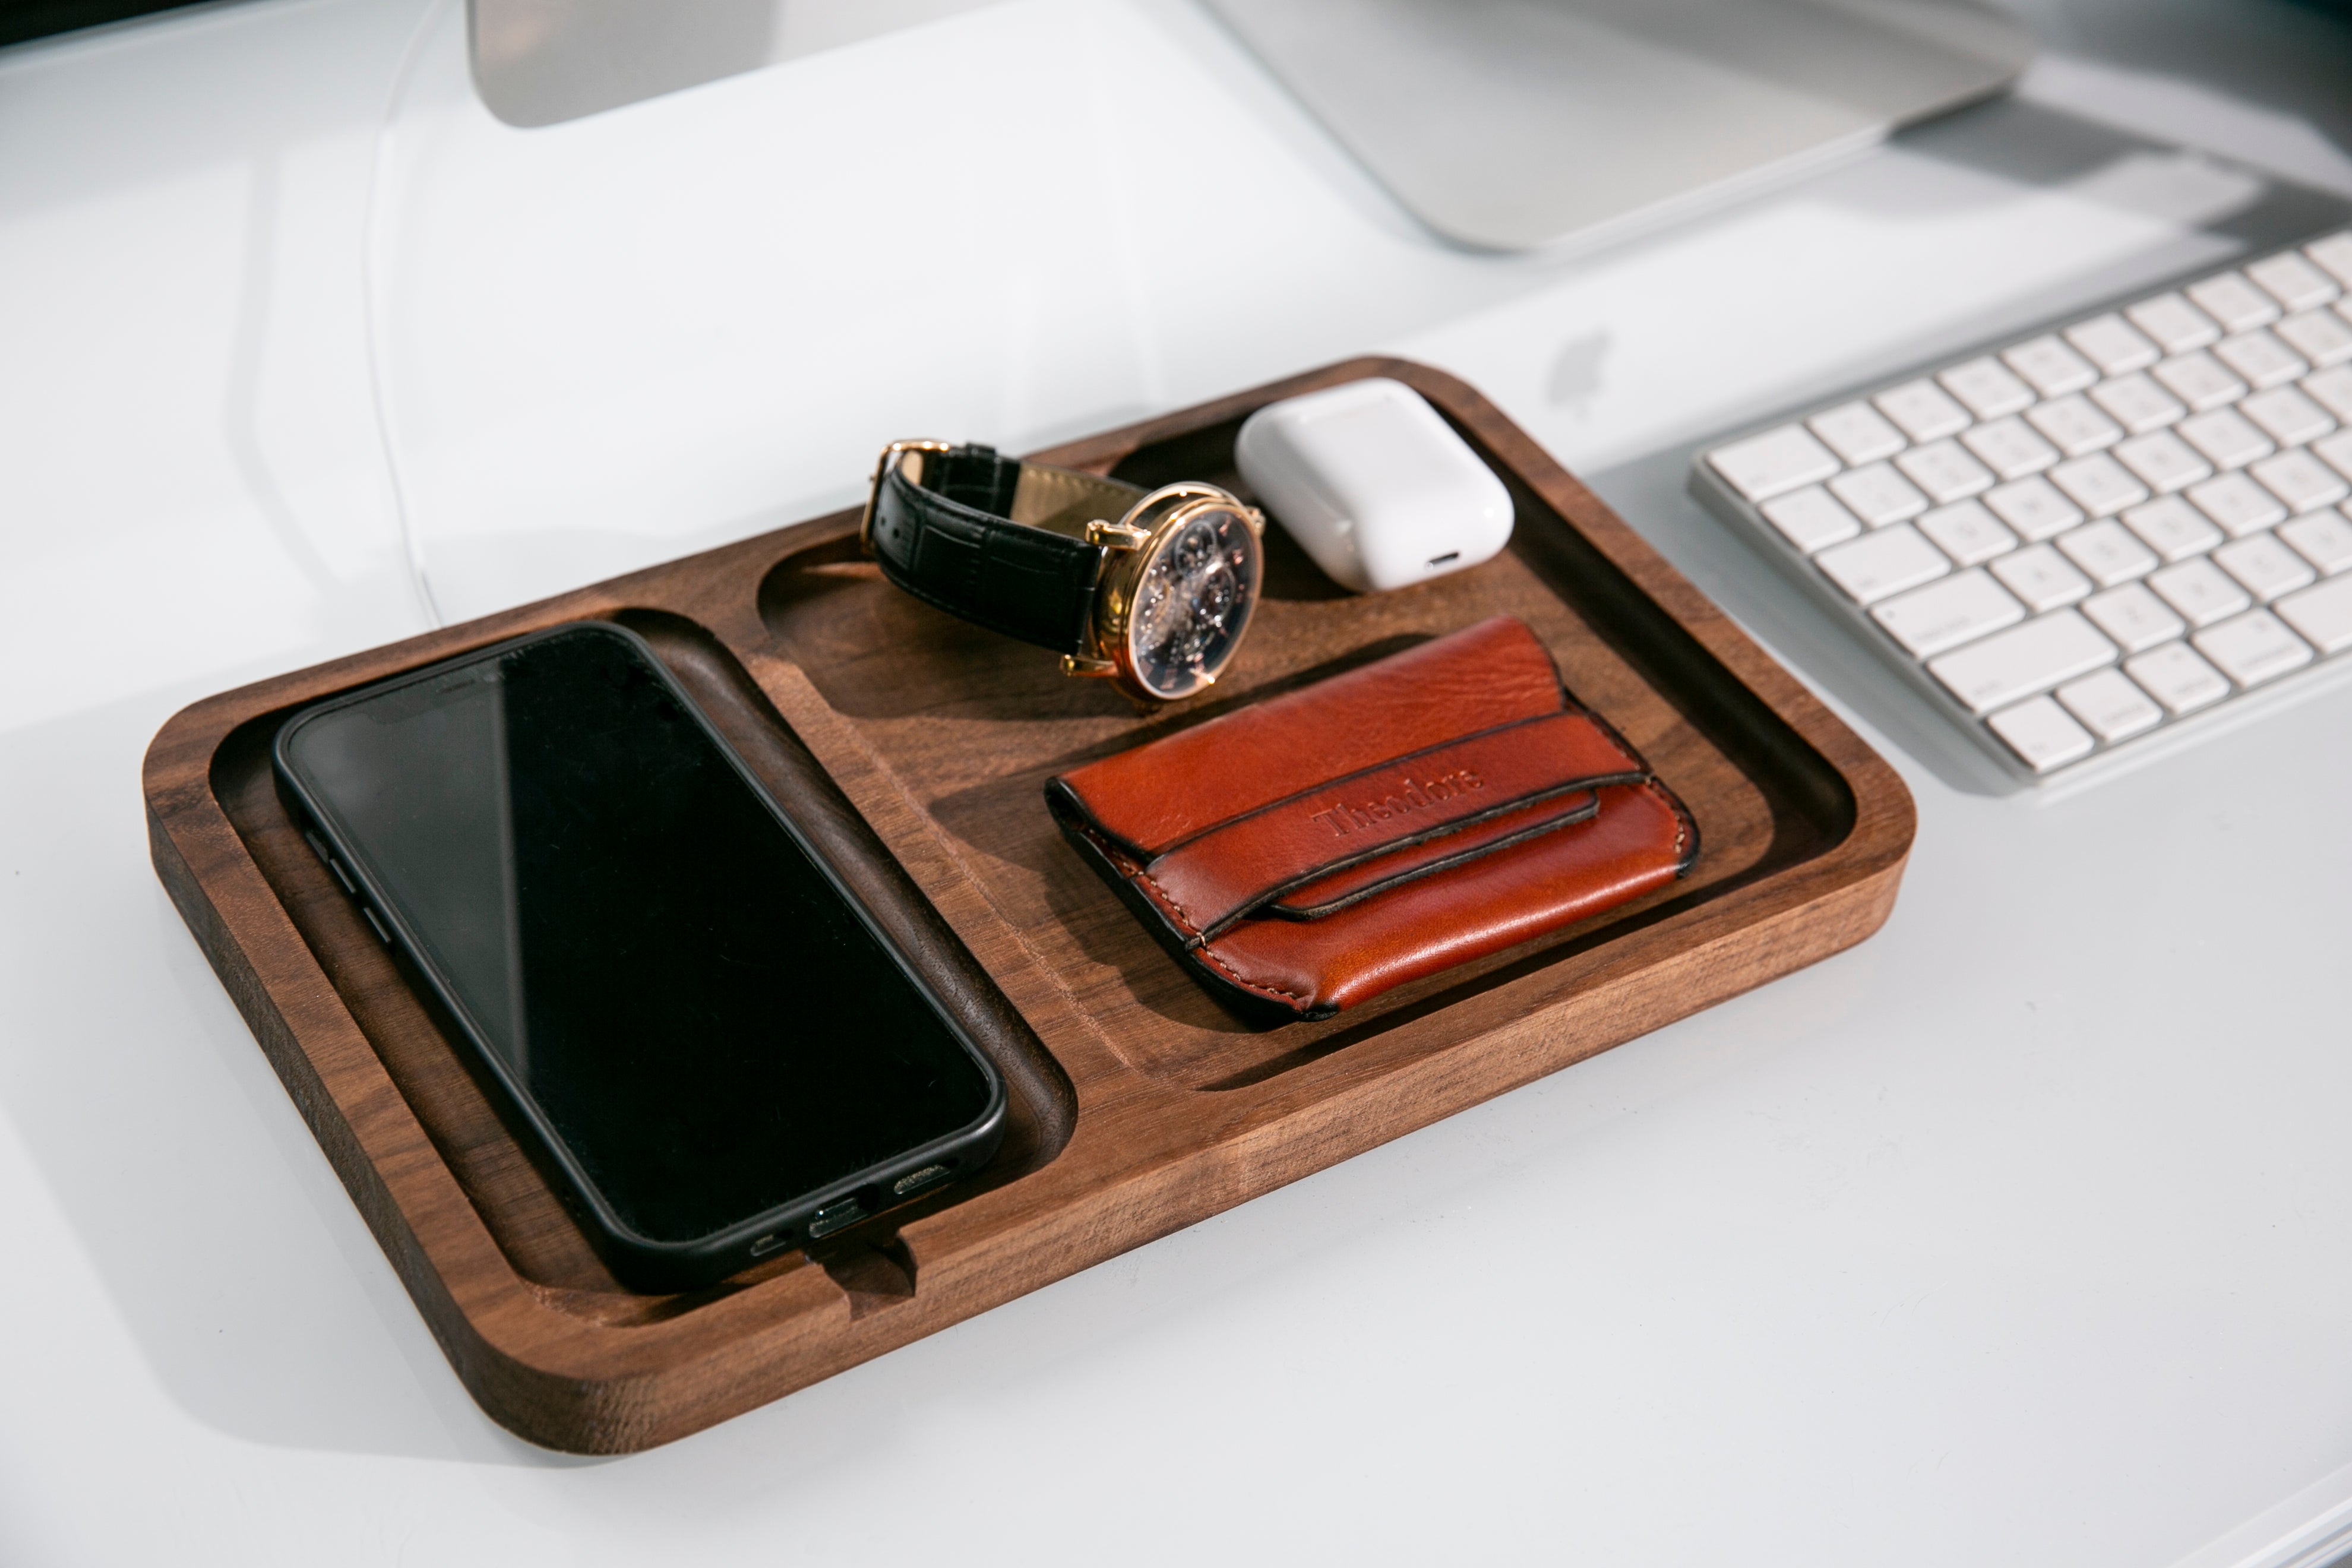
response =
{"points": [[2016, 1233]]}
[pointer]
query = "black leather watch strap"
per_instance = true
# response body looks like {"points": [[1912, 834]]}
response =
{"points": [[997, 542]]}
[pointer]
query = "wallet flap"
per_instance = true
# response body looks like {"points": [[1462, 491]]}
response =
{"points": [[1223, 873], [1336, 891], [1160, 794]]}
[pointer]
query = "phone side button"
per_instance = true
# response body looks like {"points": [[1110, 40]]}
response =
{"points": [[379, 931], [319, 848]]}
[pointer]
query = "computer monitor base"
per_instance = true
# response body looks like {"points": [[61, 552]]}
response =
{"points": [[1514, 124]]}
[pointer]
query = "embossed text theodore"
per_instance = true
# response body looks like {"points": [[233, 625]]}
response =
{"points": [[1411, 796]]}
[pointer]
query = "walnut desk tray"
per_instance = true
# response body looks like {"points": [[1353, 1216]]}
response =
{"points": [[915, 749]]}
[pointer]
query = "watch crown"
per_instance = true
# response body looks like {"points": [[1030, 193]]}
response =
{"points": [[1073, 664]]}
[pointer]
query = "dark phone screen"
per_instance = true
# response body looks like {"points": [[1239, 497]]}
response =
{"points": [[708, 1029]]}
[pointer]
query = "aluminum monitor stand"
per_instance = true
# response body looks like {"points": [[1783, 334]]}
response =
{"points": [[1513, 125]]}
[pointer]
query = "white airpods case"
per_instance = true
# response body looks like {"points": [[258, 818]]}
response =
{"points": [[1373, 484]]}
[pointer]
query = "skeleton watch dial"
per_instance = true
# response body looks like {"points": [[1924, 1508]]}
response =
{"points": [[1192, 601]]}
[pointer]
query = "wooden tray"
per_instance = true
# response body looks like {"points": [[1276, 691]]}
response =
{"points": [[915, 747]]}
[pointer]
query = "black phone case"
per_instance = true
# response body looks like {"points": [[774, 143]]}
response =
{"points": [[641, 1262]]}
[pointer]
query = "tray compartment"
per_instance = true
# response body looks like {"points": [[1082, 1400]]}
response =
{"points": [[466, 1122]]}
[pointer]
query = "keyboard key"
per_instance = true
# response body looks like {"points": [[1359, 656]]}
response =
{"points": [[2261, 358], [1858, 433], [2074, 424], [2334, 255], [2323, 337], [2139, 403], [2266, 567], [1884, 563], [2200, 590], [2172, 528], [2113, 708], [2098, 484], [1988, 388], [2301, 480], [2323, 615], [2332, 390], [2226, 436], [2054, 369], [1878, 495], [2285, 414], [1811, 519], [2230, 299], [2176, 677], [2237, 503], [2176, 325], [2033, 508], [1946, 614], [2164, 460], [2292, 279], [2322, 538], [2134, 617], [2108, 553], [2040, 732], [2011, 448], [2253, 648], [2336, 451], [2041, 578], [1945, 470], [2114, 344], [1775, 462], [2022, 661], [1923, 411], [2198, 380], [1967, 533]]}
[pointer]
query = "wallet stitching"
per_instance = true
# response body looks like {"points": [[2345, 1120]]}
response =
{"points": [[1685, 826], [1194, 935], [1238, 978], [1129, 886], [1199, 942]]}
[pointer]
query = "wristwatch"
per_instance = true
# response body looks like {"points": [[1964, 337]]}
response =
{"points": [[1156, 600]]}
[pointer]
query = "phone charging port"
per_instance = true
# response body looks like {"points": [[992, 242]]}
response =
{"points": [[834, 1215]]}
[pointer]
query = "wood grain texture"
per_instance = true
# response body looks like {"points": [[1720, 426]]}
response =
{"points": [[915, 748]]}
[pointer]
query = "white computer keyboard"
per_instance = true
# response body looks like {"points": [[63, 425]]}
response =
{"points": [[2084, 538]]}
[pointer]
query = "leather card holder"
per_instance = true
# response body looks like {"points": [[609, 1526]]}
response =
{"points": [[1310, 851]]}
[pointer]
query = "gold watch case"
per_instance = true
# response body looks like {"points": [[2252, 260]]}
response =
{"points": [[1183, 572]]}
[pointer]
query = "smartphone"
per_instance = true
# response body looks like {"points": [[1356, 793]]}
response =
{"points": [[716, 1050]]}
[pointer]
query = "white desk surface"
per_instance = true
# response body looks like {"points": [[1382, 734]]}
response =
{"points": [[2021, 1234]]}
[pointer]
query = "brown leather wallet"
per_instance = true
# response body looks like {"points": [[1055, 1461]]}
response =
{"points": [[1315, 849]]}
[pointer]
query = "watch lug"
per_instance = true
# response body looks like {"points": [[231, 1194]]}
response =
{"points": [[1117, 535], [1101, 668]]}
